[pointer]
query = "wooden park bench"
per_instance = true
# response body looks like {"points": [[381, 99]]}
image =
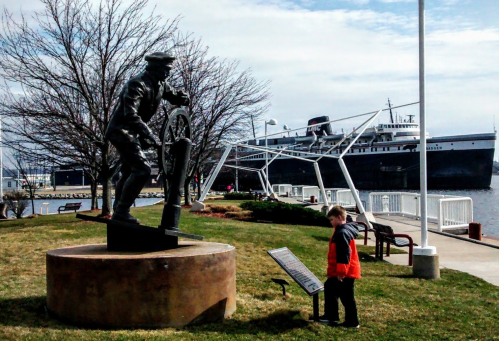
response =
{"points": [[384, 234], [70, 206]]}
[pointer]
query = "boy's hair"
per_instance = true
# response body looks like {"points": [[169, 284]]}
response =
{"points": [[336, 211]]}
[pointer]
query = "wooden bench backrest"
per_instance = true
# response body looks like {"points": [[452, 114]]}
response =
{"points": [[383, 228], [75, 204]]}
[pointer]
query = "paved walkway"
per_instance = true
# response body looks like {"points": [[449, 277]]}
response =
{"points": [[476, 259]]}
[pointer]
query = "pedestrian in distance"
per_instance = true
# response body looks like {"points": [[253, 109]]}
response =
{"points": [[343, 269]]}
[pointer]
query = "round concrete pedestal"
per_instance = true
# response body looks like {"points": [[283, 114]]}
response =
{"points": [[194, 283]]}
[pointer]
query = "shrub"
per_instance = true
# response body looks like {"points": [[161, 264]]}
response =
{"points": [[238, 196], [17, 203], [283, 213]]}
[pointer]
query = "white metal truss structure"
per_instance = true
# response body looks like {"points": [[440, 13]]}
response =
{"points": [[289, 153]]}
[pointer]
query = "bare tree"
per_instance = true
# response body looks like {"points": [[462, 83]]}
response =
{"points": [[16, 203], [32, 170], [64, 71], [223, 99]]}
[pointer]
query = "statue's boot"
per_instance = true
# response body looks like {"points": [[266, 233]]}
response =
{"points": [[125, 217], [131, 190]]}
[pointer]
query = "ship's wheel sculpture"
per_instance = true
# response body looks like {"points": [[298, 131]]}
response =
{"points": [[177, 125]]}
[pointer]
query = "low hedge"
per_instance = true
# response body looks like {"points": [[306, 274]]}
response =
{"points": [[283, 213], [238, 196]]}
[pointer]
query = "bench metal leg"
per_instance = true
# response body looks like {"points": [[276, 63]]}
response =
{"points": [[410, 253], [388, 249], [381, 242]]}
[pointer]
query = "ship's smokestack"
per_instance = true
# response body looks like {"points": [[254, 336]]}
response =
{"points": [[320, 129]]}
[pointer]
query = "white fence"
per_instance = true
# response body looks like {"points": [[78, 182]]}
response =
{"points": [[303, 193], [446, 211], [282, 189], [339, 196]]}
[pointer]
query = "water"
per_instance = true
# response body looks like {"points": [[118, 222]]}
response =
{"points": [[54, 204], [485, 204]]}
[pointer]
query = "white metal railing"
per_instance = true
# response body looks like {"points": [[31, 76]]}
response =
{"points": [[282, 189], [303, 193], [339, 196], [454, 212], [446, 211], [345, 198]]}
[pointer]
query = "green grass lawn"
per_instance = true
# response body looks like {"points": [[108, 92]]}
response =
{"points": [[392, 304]]}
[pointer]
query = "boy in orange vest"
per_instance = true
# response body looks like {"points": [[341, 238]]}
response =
{"points": [[342, 270]]}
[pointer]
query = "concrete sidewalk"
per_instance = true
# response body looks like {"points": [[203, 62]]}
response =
{"points": [[478, 260]]}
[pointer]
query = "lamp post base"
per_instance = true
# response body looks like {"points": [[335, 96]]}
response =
{"points": [[425, 263]]}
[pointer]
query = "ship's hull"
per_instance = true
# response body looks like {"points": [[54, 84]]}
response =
{"points": [[462, 169], [458, 162]]}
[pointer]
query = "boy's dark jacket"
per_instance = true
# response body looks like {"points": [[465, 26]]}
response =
{"points": [[343, 259]]}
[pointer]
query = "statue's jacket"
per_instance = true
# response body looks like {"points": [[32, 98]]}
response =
{"points": [[138, 102]]}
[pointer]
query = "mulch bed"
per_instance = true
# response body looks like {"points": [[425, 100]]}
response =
{"points": [[215, 215]]}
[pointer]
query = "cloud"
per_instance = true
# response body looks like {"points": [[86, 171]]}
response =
{"points": [[345, 62]]}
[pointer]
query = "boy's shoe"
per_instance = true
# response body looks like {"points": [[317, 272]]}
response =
{"points": [[325, 320], [350, 325]]}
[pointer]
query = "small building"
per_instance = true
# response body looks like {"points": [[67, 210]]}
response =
{"points": [[71, 177], [10, 184]]}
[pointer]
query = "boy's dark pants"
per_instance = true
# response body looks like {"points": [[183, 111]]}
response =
{"points": [[344, 290]]}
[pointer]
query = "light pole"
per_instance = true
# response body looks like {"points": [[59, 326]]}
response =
{"points": [[286, 128], [271, 122]]}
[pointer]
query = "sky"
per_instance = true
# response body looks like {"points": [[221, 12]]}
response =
{"points": [[346, 57]]}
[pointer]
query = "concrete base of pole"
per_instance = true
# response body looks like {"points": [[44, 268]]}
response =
{"points": [[325, 209], [197, 206], [366, 217], [425, 263]]}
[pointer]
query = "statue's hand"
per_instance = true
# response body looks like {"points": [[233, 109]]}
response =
{"points": [[183, 97], [152, 141]]}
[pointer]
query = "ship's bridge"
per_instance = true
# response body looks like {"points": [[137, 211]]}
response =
{"points": [[400, 131]]}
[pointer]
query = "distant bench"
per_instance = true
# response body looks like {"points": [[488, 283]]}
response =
{"points": [[362, 227], [384, 234], [72, 206]]}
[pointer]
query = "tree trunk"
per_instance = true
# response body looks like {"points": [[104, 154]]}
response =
{"points": [[187, 192], [199, 186], [107, 207], [31, 196], [93, 195]]}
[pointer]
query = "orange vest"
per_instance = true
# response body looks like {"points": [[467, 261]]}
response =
{"points": [[350, 270]]}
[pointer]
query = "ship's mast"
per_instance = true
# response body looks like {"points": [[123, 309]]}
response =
{"points": [[391, 114]]}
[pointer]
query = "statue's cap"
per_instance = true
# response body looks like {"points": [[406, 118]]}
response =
{"points": [[160, 58]]}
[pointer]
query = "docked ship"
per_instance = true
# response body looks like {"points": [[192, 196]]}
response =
{"points": [[385, 157]]}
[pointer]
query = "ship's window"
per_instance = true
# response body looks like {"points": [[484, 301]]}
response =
{"points": [[383, 148], [388, 148], [399, 148], [452, 144], [275, 141], [363, 149], [372, 148], [376, 149]]}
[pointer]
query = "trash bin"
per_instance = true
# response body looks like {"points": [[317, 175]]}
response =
{"points": [[475, 231], [312, 199]]}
